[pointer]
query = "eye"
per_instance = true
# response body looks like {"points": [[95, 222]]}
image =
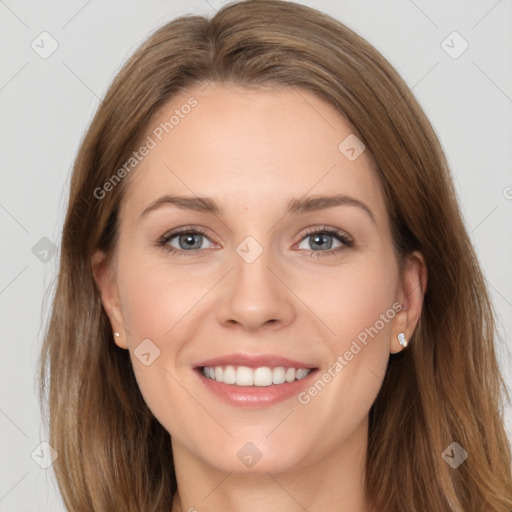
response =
{"points": [[189, 241], [322, 238]]}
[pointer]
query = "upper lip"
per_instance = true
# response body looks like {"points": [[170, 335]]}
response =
{"points": [[254, 361]]}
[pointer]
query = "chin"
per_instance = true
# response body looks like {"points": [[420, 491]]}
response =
{"points": [[259, 456]]}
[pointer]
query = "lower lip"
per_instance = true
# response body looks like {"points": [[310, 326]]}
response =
{"points": [[255, 396]]}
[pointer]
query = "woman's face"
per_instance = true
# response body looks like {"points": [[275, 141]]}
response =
{"points": [[271, 279]]}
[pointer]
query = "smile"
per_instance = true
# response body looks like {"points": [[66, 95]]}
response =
{"points": [[262, 376], [255, 380]]}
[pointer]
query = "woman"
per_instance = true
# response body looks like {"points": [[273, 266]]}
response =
{"points": [[202, 354]]}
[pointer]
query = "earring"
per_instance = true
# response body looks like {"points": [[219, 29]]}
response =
{"points": [[116, 334], [401, 339]]}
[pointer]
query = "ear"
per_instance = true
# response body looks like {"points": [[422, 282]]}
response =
{"points": [[105, 281], [412, 291]]}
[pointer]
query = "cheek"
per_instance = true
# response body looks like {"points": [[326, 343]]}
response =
{"points": [[367, 305], [155, 298], [152, 309], [159, 306], [360, 312], [359, 305]]}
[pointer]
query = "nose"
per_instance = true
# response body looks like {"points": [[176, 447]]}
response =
{"points": [[255, 296]]}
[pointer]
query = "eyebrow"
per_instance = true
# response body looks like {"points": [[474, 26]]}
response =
{"points": [[308, 204]]}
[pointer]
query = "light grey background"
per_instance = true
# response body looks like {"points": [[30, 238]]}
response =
{"points": [[46, 104]]}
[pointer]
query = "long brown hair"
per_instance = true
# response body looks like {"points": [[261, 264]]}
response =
{"points": [[446, 387]]}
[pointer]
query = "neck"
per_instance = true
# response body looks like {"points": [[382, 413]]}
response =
{"points": [[334, 482]]}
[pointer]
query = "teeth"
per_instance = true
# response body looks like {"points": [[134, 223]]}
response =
{"points": [[263, 377], [290, 375], [300, 374], [279, 375], [245, 376], [229, 375]]}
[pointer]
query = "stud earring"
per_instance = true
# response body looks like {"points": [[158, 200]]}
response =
{"points": [[116, 334], [401, 339]]}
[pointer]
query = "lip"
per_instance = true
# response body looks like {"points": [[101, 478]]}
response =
{"points": [[254, 361], [255, 396]]}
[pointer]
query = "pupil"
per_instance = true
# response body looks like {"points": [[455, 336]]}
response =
{"points": [[320, 237], [189, 239]]}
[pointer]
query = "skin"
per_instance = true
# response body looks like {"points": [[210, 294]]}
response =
{"points": [[252, 151]]}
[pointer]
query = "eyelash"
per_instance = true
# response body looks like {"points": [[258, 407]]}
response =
{"points": [[340, 235]]}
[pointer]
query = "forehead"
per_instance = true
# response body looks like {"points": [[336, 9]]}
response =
{"points": [[251, 147]]}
